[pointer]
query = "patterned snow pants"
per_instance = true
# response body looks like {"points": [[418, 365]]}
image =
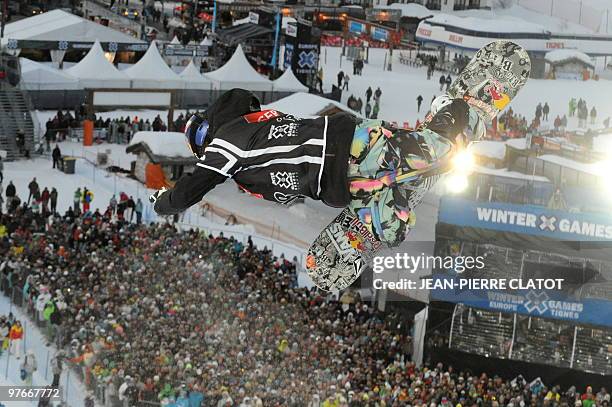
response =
{"points": [[390, 172]]}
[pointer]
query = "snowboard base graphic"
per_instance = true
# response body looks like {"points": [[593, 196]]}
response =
{"points": [[337, 257], [488, 84]]}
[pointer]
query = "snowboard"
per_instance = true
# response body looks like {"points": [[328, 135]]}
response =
{"points": [[488, 83]]}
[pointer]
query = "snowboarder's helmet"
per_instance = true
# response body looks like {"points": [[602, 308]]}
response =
{"points": [[196, 132]]}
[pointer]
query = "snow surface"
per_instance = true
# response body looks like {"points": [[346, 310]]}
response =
{"points": [[518, 143], [403, 84], [489, 148], [603, 143], [505, 23], [588, 168], [409, 10], [505, 173], [524, 19], [163, 143]]}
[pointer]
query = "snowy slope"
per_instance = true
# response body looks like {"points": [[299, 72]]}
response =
{"points": [[72, 390], [403, 84]]}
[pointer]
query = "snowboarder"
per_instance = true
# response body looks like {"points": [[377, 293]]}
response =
{"points": [[368, 110], [281, 158], [368, 94], [545, 111], [346, 82], [419, 101]]}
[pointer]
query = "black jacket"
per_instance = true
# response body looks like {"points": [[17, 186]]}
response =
{"points": [[11, 191], [269, 154]]}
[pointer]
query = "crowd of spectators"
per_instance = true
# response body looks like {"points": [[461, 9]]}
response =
{"points": [[154, 313], [511, 124], [117, 130]]}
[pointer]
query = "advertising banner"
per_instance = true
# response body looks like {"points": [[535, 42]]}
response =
{"points": [[526, 219], [532, 302]]}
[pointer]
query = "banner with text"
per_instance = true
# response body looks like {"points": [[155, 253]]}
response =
{"points": [[525, 219]]}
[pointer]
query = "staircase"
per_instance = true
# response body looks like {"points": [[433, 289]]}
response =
{"points": [[15, 115]]}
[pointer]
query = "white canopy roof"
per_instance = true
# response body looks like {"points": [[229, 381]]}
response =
{"points": [[37, 76], [207, 41], [562, 55], [289, 83], [95, 71], [409, 10], [238, 73], [164, 143], [193, 79], [152, 72], [306, 105], [59, 25], [175, 41]]}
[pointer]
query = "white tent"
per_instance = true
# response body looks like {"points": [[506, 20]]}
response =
{"points": [[287, 82], [59, 25], [95, 71], [238, 73], [37, 76], [193, 79], [302, 104], [175, 41], [152, 72], [207, 41]]}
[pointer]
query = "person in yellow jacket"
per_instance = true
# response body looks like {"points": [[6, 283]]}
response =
{"points": [[283, 345]]}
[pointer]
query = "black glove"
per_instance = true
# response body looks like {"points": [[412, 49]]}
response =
{"points": [[451, 119], [153, 198]]}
